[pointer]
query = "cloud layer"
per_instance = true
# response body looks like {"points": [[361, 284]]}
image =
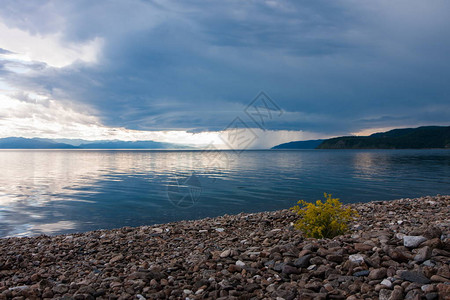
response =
{"points": [[333, 67]]}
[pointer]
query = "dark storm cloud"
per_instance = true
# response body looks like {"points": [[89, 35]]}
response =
{"points": [[334, 67]]}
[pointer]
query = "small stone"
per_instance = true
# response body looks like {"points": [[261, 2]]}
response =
{"points": [[116, 259], [60, 289], [233, 268], [428, 263], [376, 274], [362, 247], [278, 267], [387, 283], [302, 262], [287, 269], [220, 229], [433, 243], [398, 256], [361, 273], [397, 293], [432, 232], [443, 289], [158, 230], [428, 288], [411, 241], [240, 263], [423, 254], [356, 259], [199, 291], [225, 253], [438, 278], [35, 277], [270, 288], [400, 235], [384, 294], [432, 296], [414, 295], [414, 277], [312, 267], [413, 286], [19, 288], [335, 258]]}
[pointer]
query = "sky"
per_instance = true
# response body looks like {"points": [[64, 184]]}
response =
{"points": [[189, 72]]}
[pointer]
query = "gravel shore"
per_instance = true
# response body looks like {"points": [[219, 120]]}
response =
{"points": [[395, 250]]}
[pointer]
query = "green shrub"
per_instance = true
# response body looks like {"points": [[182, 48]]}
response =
{"points": [[323, 219]]}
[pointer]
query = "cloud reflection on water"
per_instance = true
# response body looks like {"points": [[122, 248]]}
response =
{"points": [[51, 192]]}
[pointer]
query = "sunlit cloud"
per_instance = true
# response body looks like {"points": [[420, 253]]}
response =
{"points": [[32, 115], [369, 131], [50, 49]]}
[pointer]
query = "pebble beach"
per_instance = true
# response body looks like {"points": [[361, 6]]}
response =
{"points": [[396, 249]]}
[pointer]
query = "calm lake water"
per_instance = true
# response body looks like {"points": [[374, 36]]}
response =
{"points": [[53, 191]]}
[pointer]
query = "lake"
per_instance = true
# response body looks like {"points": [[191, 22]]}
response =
{"points": [[64, 191]]}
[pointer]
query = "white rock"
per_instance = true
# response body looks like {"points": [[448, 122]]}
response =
{"points": [[199, 291], [158, 230], [425, 287], [356, 258], [225, 253], [356, 236], [240, 263], [140, 297], [187, 292], [411, 241], [203, 231], [19, 288], [311, 267], [387, 283], [428, 263], [220, 229]]}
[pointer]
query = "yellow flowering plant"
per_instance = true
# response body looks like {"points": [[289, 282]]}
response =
{"points": [[323, 219]]}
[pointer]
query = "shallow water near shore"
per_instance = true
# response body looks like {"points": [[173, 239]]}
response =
{"points": [[63, 191]]}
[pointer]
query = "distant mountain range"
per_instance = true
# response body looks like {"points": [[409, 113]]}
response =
{"points": [[23, 143], [37, 143], [310, 144], [426, 137], [407, 138]]}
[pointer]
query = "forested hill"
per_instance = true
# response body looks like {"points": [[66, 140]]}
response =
{"points": [[408, 138], [311, 144]]}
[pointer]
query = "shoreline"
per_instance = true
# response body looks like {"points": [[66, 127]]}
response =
{"points": [[244, 256]]}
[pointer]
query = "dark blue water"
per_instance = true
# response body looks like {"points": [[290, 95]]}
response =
{"points": [[51, 192]]}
